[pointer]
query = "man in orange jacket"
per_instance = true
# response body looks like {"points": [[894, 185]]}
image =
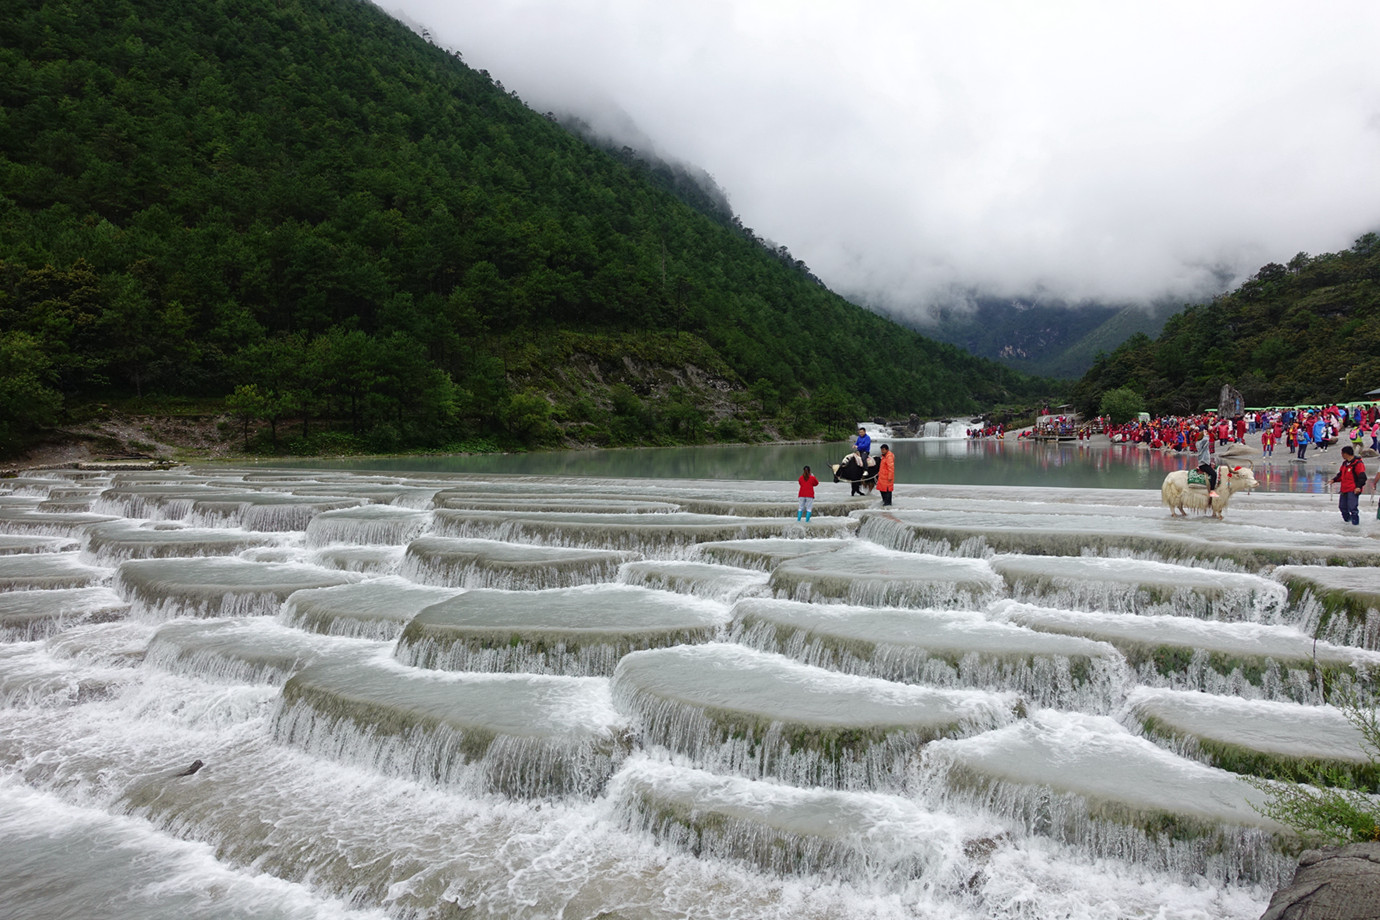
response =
{"points": [[886, 475]]}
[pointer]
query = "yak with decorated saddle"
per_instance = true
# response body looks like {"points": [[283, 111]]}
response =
{"points": [[858, 470], [1187, 490]]}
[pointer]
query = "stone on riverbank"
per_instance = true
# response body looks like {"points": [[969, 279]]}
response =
{"points": [[1334, 883]]}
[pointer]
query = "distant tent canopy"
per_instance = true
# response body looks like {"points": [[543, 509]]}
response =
{"points": [[1375, 392]]}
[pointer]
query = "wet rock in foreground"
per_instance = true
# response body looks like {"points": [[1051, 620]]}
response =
{"points": [[1336, 883]]}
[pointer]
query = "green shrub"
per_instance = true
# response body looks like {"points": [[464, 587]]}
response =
{"points": [[729, 429], [472, 445], [1122, 405], [1331, 808]]}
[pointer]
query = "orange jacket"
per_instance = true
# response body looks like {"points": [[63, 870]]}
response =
{"points": [[886, 476]]}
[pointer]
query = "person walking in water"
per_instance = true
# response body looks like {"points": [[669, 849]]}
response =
{"points": [[886, 475], [807, 494], [1350, 479]]}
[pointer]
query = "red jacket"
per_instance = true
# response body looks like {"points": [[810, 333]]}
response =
{"points": [[1347, 475], [807, 486]]}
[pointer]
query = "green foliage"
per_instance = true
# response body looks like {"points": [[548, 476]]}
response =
{"points": [[472, 446], [1332, 808], [1305, 333], [305, 198], [247, 404], [527, 416], [1121, 405], [837, 411], [730, 430], [1325, 813], [28, 401]]}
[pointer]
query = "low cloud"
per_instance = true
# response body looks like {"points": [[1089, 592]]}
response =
{"points": [[918, 154]]}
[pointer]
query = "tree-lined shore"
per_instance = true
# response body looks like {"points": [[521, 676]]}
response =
{"points": [[1302, 334]]}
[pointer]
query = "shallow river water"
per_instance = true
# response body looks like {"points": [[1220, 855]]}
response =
{"points": [[955, 461], [651, 692]]}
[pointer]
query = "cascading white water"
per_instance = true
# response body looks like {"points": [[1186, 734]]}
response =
{"points": [[942, 648], [574, 631], [398, 713], [947, 430]]}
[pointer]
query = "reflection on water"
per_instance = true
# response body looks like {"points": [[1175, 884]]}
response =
{"points": [[925, 460], [1275, 474]]}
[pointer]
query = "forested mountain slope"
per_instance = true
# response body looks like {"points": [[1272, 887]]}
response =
{"points": [[303, 206], [1303, 333]]}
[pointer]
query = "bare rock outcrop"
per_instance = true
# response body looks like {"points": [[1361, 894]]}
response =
{"points": [[1334, 883]]}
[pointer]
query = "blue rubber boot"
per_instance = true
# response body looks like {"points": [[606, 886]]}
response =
{"points": [[807, 516]]}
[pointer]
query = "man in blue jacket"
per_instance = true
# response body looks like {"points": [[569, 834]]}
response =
{"points": [[863, 445]]}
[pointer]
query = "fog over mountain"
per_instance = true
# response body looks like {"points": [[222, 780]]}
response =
{"points": [[919, 155]]}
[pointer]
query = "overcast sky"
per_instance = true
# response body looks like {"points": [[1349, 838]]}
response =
{"points": [[913, 151]]}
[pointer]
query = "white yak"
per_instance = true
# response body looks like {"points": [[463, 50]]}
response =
{"points": [[1179, 495]]}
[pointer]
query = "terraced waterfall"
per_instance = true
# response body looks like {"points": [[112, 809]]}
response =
{"points": [[250, 693]]}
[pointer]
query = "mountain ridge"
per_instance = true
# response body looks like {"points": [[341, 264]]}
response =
{"points": [[306, 210]]}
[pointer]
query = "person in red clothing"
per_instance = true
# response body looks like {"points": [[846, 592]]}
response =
{"points": [[807, 494], [1350, 479]]}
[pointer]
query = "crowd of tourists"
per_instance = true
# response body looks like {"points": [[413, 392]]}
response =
{"points": [[1063, 427], [1294, 430], [996, 431]]}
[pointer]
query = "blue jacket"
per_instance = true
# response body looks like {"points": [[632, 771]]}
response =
{"points": [[1319, 431], [864, 444]]}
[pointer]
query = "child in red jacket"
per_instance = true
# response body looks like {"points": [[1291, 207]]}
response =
{"points": [[807, 494]]}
